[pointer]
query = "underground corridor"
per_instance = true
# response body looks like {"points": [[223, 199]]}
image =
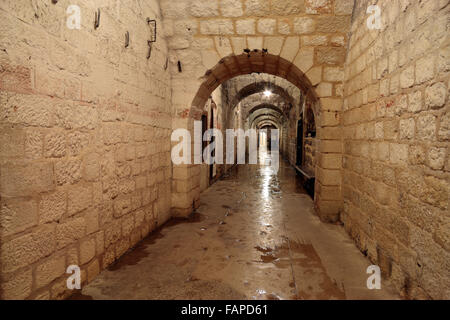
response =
{"points": [[253, 236], [224, 150]]}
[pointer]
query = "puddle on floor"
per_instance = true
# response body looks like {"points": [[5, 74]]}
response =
{"points": [[303, 258], [139, 252]]}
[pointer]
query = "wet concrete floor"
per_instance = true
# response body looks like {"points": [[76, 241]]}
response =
{"points": [[254, 236]]}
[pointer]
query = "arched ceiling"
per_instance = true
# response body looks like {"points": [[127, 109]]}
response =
{"points": [[259, 87], [262, 117], [265, 109], [247, 104], [256, 61], [265, 106], [267, 123]]}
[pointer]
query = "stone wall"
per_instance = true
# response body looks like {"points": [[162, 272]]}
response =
{"points": [[85, 128], [396, 132], [85, 124], [310, 154]]}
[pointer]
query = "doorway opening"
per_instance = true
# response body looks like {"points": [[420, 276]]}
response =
{"points": [[299, 161]]}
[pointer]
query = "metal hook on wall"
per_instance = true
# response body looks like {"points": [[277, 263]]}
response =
{"points": [[152, 24], [166, 65], [127, 39], [149, 54], [97, 19]]}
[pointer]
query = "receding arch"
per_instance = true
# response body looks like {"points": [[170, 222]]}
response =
{"points": [[262, 117], [265, 112], [265, 106], [259, 87], [267, 122], [259, 98], [255, 61]]}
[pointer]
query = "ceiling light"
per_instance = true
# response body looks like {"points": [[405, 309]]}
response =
{"points": [[268, 93]]}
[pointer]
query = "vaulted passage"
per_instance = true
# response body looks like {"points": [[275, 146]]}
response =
{"points": [[253, 236], [110, 113]]}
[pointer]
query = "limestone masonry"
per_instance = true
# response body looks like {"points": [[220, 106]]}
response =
{"points": [[86, 123]]}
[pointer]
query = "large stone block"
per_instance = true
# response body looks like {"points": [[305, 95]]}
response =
{"points": [[29, 110], [17, 215], [398, 153], [79, 198], [343, 7], [87, 250], [69, 232], [330, 161], [27, 249], [200, 8], [77, 142], [26, 178], [50, 269], [288, 7], [92, 220], [68, 171], [216, 27], [407, 128], [18, 286], [304, 25], [52, 206], [257, 7], [127, 225], [333, 24], [333, 74], [267, 26], [12, 142], [407, 77], [424, 69], [76, 116], [55, 145], [318, 6], [426, 127], [436, 158], [330, 55], [231, 8], [93, 270], [91, 167], [435, 95]]}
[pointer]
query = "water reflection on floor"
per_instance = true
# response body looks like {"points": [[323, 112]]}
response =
{"points": [[255, 236]]}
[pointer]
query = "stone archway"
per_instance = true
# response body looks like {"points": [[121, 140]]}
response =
{"points": [[266, 122], [255, 61], [265, 106], [302, 41], [262, 117], [328, 200]]}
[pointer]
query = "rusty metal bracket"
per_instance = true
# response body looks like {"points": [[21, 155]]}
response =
{"points": [[97, 19], [149, 54], [152, 24], [127, 39], [166, 65]]}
